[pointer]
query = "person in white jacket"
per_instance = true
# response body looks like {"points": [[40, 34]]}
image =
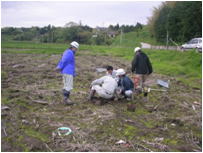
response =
{"points": [[110, 71], [105, 87]]}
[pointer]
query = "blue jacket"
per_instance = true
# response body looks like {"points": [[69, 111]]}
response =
{"points": [[67, 62], [125, 83]]}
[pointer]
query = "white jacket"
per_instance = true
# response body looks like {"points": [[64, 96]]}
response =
{"points": [[113, 75], [107, 82]]}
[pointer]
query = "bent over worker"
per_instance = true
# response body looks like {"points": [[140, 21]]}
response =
{"points": [[105, 87], [67, 68], [125, 85]]}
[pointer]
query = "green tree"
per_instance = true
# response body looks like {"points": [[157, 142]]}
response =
{"points": [[84, 37], [138, 27], [180, 21], [71, 33], [161, 24], [185, 21]]}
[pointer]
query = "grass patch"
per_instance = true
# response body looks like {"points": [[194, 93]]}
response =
{"points": [[17, 143], [5, 101], [133, 39], [4, 75], [170, 141], [140, 111], [130, 132], [22, 145], [36, 134], [149, 124], [109, 128]]}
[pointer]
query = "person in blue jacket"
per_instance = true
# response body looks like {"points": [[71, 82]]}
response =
{"points": [[66, 66], [125, 85]]}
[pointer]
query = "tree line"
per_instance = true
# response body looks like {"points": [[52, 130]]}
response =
{"points": [[172, 21], [71, 31], [177, 21]]}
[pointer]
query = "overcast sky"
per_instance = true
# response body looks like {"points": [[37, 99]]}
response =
{"points": [[92, 13]]}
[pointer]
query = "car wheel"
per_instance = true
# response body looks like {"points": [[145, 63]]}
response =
{"points": [[198, 50], [182, 49]]}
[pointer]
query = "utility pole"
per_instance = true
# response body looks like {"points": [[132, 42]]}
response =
{"points": [[167, 33], [121, 36], [167, 39]]}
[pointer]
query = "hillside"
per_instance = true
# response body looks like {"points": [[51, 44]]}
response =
{"points": [[132, 39]]}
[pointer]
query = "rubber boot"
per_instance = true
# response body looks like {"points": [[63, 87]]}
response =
{"points": [[69, 102], [145, 91], [129, 98], [66, 99], [91, 95], [145, 94]]}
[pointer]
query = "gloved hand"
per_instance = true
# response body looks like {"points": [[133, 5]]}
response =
{"points": [[118, 91]]}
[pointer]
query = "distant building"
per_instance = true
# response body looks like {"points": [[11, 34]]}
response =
{"points": [[71, 24], [101, 29], [94, 36], [112, 34], [104, 30]]}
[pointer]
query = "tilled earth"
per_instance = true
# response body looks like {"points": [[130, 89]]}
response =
{"points": [[32, 110]]}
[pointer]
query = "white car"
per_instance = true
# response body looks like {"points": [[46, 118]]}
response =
{"points": [[195, 43]]}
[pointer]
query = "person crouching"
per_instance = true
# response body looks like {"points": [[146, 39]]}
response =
{"points": [[105, 87], [125, 85]]}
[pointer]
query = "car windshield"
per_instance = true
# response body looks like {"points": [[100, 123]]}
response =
{"points": [[193, 41]]}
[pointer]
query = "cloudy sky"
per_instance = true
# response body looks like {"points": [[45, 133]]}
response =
{"points": [[58, 13]]}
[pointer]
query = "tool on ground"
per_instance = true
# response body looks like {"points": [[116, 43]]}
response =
{"points": [[120, 142], [163, 83], [65, 130], [150, 89]]}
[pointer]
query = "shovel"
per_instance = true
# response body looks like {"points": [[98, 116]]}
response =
{"points": [[150, 89]]}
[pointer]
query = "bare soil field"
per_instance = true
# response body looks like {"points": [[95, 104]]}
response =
{"points": [[32, 110]]}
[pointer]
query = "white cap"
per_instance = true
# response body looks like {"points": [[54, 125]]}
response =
{"points": [[74, 44], [137, 49], [120, 72]]}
